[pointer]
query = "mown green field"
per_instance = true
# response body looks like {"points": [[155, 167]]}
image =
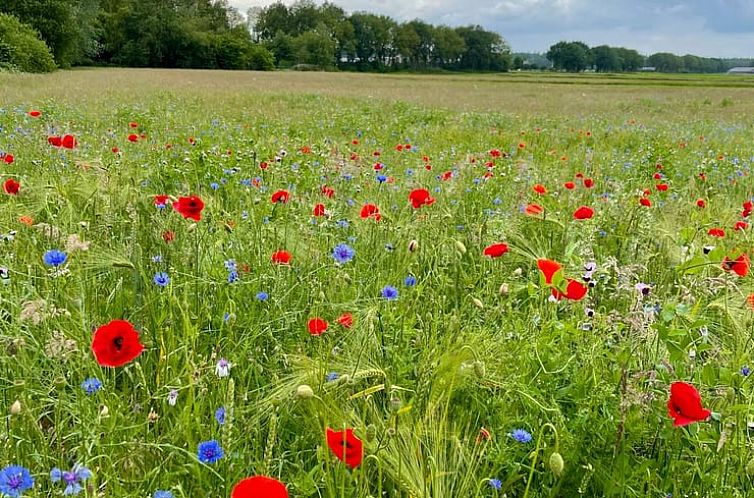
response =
{"points": [[463, 367]]}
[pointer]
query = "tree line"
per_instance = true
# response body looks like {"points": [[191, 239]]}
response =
{"points": [[38, 35], [578, 56]]}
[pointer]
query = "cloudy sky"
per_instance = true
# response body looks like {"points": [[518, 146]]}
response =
{"points": [[723, 28]]}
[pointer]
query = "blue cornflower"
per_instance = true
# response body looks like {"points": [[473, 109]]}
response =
{"points": [[220, 415], [72, 479], [262, 296], [520, 435], [91, 385], [497, 201], [210, 451], [745, 370], [214, 186], [410, 281], [14, 480], [230, 264], [342, 223], [495, 483], [161, 493], [381, 178], [232, 276], [157, 258], [389, 247], [53, 257], [390, 293], [332, 376], [161, 279], [343, 253]]}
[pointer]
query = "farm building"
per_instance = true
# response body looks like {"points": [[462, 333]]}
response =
{"points": [[741, 70]]}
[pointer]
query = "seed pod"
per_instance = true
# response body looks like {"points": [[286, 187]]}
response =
{"points": [[304, 392], [518, 272], [460, 247], [556, 463], [413, 245], [479, 369], [395, 403], [371, 433], [15, 408], [477, 303]]}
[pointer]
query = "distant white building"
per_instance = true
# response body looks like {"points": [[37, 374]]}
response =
{"points": [[741, 70], [648, 69]]}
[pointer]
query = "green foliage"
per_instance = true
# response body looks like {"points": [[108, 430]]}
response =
{"points": [[315, 48], [21, 48]]}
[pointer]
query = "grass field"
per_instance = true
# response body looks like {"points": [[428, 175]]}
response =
{"points": [[493, 280]]}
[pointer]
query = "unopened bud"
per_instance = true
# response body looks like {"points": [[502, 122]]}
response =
{"points": [[477, 303], [104, 411], [503, 289], [395, 403], [518, 272], [346, 278], [371, 433], [556, 463], [479, 369], [460, 247], [304, 392], [15, 408], [413, 246]]}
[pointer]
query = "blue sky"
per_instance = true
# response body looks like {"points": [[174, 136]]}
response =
{"points": [[708, 28]]}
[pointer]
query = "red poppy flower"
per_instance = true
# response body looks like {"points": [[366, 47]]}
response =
{"points": [[168, 236], [133, 124], [657, 176], [588, 182], [346, 320], [370, 211], [700, 203], [496, 250], [161, 200], [685, 405], [34, 113], [8, 158], [662, 187], [133, 137], [494, 153], [645, 202], [748, 208], [583, 213], [740, 225], [319, 210], [316, 326], [328, 192], [420, 197], [446, 176], [189, 207], [116, 344], [281, 257], [306, 149], [716, 232], [575, 291], [115, 150], [11, 186], [280, 196], [68, 142], [540, 189], [55, 141], [399, 147], [264, 165], [259, 487], [346, 446], [740, 266], [548, 268], [534, 209], [569, 185]]}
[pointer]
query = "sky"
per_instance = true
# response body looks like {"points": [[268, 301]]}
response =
{"points": [[709, 28]]}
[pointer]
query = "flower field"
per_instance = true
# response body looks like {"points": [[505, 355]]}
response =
{"points": [[260, 294]]}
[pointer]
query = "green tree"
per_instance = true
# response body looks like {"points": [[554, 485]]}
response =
{"points": [[665, 62], [374, 40], [606, 59], [21, 48], [485, 50], [449, 46], [316, 48], [274, 19], [407, 44], [569, 56], [630, 60]]}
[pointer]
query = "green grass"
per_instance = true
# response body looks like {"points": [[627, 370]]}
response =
{"points": [[476, 343]]}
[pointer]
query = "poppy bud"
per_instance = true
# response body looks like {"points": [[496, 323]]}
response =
{"points": [[460, 247], [347, 278], [390, 432], [371, 433], [556, 463], [395, 403], [479, 369], [15, 408], [477, 303], [413, 246], [104, 412], [503, 289], [518, 272], [304, 392], [322, 296]]}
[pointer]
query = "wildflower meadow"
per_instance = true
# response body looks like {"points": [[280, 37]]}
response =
{"points": [[218, 291]]}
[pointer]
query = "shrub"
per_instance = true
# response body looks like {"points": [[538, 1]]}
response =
{"points": [[261, 59], [21, 48]]}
